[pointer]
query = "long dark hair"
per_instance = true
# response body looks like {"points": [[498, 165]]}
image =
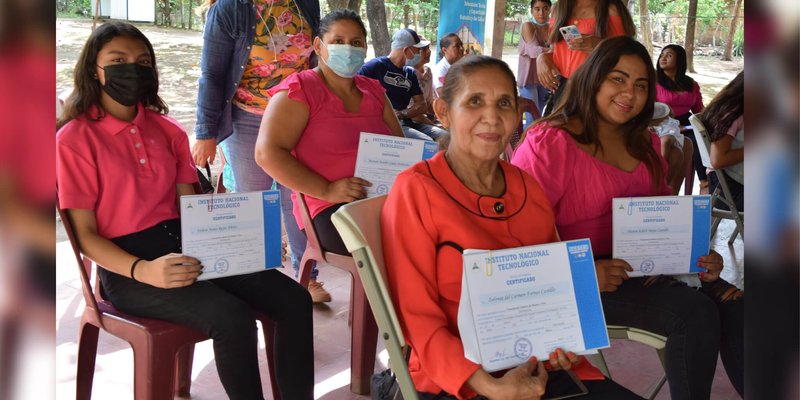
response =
{"points": [[563, 12], [87, 90], [578, 102], [724, 109], [682, 82]]}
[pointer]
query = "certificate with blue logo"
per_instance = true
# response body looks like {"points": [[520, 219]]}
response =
{"points": [[232, 233], [528, 301], [662, 235], [381, 157]]}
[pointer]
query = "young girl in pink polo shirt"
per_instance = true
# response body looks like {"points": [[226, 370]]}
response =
{"points": [[121, 165]]}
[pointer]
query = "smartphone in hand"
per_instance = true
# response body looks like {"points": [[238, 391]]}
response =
{"points": [[570, 32]]}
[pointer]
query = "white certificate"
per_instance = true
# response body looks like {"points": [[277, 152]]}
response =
{"points": [[232, 233], [662, 235], [528, 301], [381, 157]]}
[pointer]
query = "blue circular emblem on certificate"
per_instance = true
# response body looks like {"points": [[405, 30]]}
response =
{"points": [[221, 266], [523, 348], [647, 266], [382, 189]]}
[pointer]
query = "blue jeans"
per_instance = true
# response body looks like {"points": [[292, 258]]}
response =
{"points": [[242, 174], [415, 130], [538, 94]]}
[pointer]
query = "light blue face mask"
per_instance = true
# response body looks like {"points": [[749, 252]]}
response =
{"points": [[344, 60], [415, 60], [533, 20]]}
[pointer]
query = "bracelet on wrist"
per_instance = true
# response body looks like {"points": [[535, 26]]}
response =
{"points": [[133, 268]]}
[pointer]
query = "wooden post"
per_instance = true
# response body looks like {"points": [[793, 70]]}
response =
{"points": [[495, 28], [96, 14]]}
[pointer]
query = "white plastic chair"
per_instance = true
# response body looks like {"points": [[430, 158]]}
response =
{"points": [[359, 224], [722, 192], [653, 340]]}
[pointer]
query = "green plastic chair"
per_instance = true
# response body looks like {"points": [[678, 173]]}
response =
{"points": [[359, 224]]}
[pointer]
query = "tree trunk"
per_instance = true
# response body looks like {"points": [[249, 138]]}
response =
{"points": [[183, 24], [337, 4], [406, 20], [514, 32], [354, 5], [167, 14], [689, 42], [376, 15], [644, 22], [726, 56]]}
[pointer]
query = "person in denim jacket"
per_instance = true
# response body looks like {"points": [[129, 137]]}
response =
{"points": [[250, 46]]}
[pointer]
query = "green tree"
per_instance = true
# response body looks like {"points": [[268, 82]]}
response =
{"points": [[379, 30], [644, 26], [726, 55], [517, 7], [688, 44], [354, 5]]}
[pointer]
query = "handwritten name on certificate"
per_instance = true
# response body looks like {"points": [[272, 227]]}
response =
{"points": [[232, 233], [661, 235], [528, 301], [381, 157]]}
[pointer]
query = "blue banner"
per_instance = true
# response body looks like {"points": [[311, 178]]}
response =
{"points": [[465, 18]]}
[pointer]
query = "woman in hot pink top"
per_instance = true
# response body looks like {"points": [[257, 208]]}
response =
{"points": [[309, 135], [555, 159], [682, 94], [596, 146]]}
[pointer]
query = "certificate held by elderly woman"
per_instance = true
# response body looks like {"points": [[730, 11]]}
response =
{"points": [[528, 301], [232, 233]]}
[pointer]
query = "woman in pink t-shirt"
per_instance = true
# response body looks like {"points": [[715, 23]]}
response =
{"points": [[122, 165], [309, 135], [596, 146], [682, 94]]}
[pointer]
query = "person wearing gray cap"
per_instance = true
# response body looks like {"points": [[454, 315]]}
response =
{"points": [[397, 75]]}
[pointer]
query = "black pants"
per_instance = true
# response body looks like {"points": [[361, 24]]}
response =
{"points": [[598, 390], [552, 101], [329, 237], [697, 326], [223, 309]]}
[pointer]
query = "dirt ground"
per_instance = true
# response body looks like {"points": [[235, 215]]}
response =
{"points": [[178, 57]]}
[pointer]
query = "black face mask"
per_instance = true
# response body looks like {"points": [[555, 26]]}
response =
{"points": [[129, 84]]}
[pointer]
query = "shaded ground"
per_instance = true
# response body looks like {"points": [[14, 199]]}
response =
{"points": [[178, 56]]}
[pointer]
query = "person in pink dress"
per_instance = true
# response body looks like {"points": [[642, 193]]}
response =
{"points": [[682, 94], [308, 139], [596, 146]]}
